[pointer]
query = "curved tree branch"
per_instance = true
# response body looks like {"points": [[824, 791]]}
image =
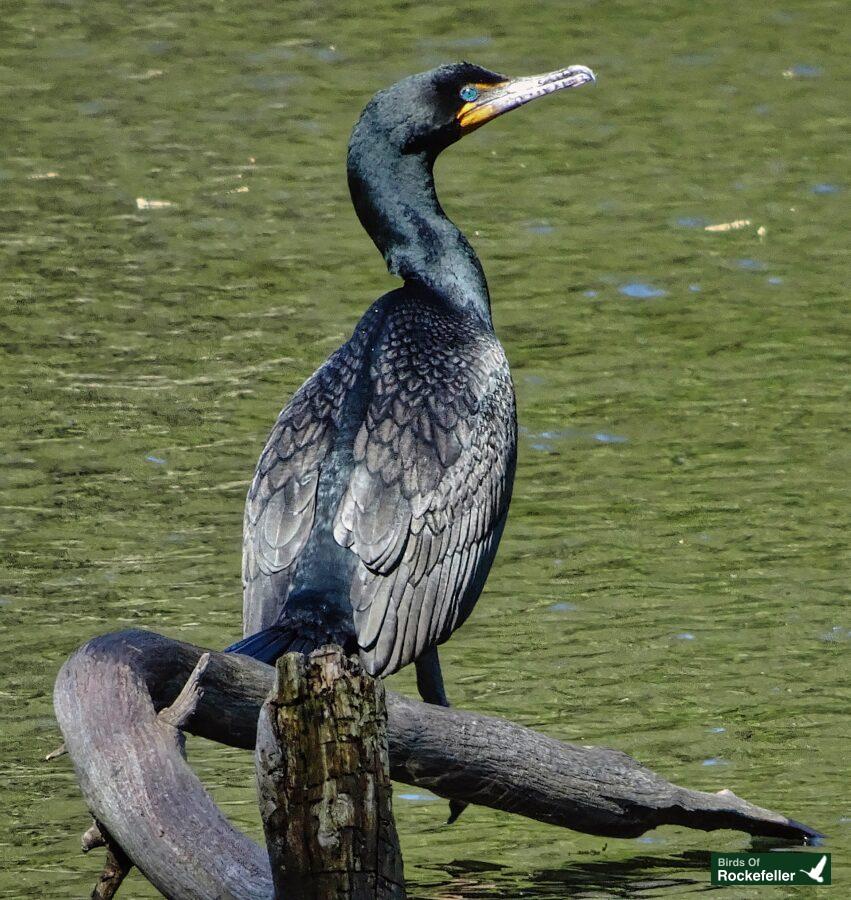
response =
{"points": [[136, 782]]}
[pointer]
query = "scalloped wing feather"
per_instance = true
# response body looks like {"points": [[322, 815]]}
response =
{"points": [[426, 502], [281, 504]]}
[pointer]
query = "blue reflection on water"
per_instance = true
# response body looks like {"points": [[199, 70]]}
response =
{"points": [[640, 290], [603, 437], [692, 222], [542, 439], [540, 227], [563, 607], [805, 71], [837, 633]]}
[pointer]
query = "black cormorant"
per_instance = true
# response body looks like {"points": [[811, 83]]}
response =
{"points": [[379, 500]]}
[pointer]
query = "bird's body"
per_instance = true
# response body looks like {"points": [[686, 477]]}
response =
{"points": [[380, 498], [385, 484]]}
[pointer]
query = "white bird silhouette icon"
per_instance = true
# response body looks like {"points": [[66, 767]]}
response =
{"points": [[817, 869]]}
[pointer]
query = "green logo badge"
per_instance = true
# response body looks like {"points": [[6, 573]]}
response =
{"points": [[775, 867]]}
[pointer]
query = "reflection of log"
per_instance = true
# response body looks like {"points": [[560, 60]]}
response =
{"points": [[324, 781], [138, 785]]}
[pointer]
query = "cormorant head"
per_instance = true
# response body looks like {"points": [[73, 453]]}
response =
{"points": [[430, 111]]}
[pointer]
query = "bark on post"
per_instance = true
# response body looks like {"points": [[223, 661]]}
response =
{"points": [[324, 782]]}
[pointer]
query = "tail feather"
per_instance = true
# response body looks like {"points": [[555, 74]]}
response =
{"points": [[309, 621], [270, 643]]}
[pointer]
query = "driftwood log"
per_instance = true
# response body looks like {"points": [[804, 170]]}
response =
{"points": [[137, 784], [323, 778]]}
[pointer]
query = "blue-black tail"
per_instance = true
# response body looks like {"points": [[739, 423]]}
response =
{"points": [[308, 621], [269, 644]]}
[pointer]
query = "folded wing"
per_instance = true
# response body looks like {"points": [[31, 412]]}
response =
{"points": [[427, 499], [281, 506]]}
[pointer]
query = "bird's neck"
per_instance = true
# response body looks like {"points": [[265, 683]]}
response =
{"points": [[396, 202]]}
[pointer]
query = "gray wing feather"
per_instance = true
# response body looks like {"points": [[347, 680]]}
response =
{"points": [[425, 505], [281, 504]]}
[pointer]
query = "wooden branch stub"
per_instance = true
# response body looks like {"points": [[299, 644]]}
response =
{"points": [[55, 754], [116, 866], [92, 838], [185, 703], [115, 869], [324, 781]]}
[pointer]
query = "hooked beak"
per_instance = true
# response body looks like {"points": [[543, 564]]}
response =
{"points": [[496, 99]]}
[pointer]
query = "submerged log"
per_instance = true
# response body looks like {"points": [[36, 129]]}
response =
{"points": [[324, 782], [136, 782]]}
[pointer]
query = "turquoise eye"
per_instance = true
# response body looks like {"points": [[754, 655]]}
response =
{"points": [[469, 93]]}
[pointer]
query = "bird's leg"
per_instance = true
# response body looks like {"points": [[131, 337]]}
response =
{"points": [[430, 686], [430, 678]]}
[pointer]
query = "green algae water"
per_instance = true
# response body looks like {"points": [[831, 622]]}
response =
{"points": [[667, 255]]}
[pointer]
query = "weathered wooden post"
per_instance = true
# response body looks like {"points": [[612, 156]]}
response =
{"points": [[324, 782]]}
